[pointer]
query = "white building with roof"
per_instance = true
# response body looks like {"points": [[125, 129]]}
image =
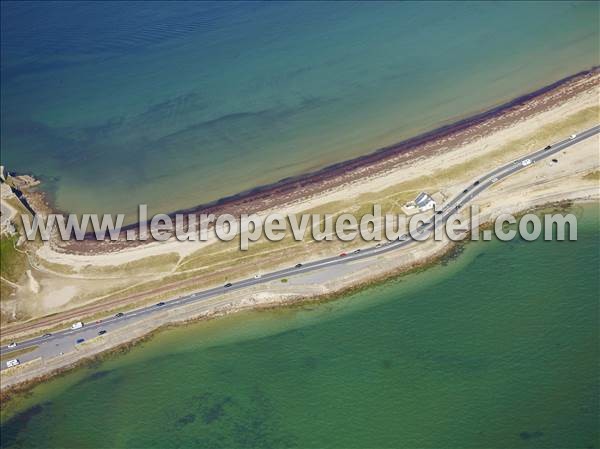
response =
{"points": [[424, 202], [421, 203]]}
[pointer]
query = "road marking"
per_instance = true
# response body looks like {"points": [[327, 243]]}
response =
{"points": [[500, 173]]}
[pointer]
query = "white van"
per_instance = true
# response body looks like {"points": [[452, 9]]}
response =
{"points": [[77, 325], [13, 362], [526, 162]]}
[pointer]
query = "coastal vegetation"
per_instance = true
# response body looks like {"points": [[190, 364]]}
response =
{"points": [[12, 265], [593, 176], [425, 337], [148, 279], [460, 118], [12, 261]]}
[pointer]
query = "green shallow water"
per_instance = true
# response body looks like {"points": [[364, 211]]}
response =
{"points": [[494, 348]]}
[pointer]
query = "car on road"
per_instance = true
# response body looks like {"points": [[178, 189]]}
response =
{"points": [[160, 304], [458, 206], [572, 136], [229, 284], [12, 345], [119, 315], [13, 362], [102, 332], [547, 147], [465, 191], [46, 335], [526, 162], [476, 183], [494, 179], [439, 212], [343, 254], [77, 325], [257, 276], [356, 251], [80, 340], [298, 265], [378, 245]]}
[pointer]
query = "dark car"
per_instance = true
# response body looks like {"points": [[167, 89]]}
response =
{"points": [[160, 304], [80, 340], [356, 251], [119, 315], [46, 335], [102, 332], [229, 284], [298, 265], [548, 147], [439, 212], [465, 191], [476, 183]]}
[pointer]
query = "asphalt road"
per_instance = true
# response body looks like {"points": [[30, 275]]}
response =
{"points": [[65, 340]]}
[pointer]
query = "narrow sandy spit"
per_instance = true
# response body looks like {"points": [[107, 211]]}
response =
{"points": [[89, 275]]}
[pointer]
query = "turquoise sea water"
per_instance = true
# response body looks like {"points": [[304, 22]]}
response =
{"points": [[496, 348], [174, 104]]}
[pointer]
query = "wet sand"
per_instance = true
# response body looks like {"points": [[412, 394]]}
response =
{"points": [[288, 190]]}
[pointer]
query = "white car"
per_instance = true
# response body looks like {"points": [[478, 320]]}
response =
{"points": [[12, 345], [495, 179], [13, 362], [572, 136], [257, 276], [526, 162], [77, 325]]}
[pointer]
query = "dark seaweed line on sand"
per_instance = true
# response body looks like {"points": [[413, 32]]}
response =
{"points": [[290, 184]]}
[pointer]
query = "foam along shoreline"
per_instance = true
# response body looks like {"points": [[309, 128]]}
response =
{"points": [[291, 189]]}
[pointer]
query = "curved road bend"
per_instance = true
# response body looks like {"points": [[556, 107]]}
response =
{"points": [[64, 340]]}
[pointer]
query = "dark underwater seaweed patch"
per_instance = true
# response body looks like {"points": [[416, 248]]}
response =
{"points": [[17, 425]]}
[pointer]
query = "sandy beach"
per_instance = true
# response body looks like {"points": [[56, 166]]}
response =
{"points": [[65, 282], [291, 191]]}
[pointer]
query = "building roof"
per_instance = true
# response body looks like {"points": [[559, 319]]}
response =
{"points": [[423, 199]]}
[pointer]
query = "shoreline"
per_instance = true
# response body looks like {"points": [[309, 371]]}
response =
{"points": [[170, 269], [448, 252], [303, 186], [444, 166]]}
